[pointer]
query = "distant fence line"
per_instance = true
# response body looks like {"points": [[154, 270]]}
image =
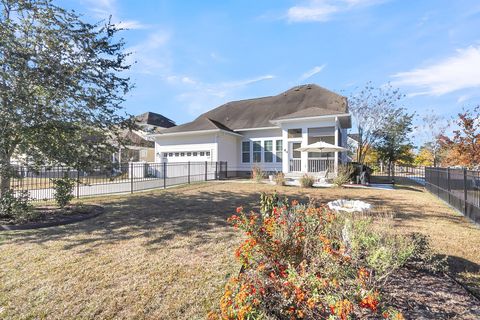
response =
{"points": [[458, 187], [123, 178], [382, 174]]}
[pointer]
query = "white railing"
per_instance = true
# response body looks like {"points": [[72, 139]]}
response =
{"points": [[320, 165], [295, 165]]}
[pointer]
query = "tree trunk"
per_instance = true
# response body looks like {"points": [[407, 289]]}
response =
{"points": [[5, 174]]}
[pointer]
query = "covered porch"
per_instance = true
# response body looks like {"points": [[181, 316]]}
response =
{"points": [[322, 161]]}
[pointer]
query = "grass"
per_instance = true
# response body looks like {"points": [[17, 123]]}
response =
{"points": [[166, 254]]}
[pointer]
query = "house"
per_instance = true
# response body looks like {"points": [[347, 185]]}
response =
{"points": [[264, 132], [140, 146]]}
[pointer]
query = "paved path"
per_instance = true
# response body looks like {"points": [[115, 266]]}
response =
{"points": [[419, 180]]}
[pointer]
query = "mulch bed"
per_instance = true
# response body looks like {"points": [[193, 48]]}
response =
{"points": [[53, 216], [423, 295]]}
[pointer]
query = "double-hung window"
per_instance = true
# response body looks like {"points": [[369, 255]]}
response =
{"points": [[278, 151], [257, 151], [246, 151], [268, 151]]}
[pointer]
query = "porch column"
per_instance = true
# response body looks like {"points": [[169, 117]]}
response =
{"points": [[304, 155], [285, 152]]}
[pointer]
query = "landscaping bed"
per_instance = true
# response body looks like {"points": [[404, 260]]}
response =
{"points": [[419, 294], [48, 216]]}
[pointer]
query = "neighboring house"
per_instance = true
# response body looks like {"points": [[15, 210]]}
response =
{"points": [[263, 132], [140, 146]]}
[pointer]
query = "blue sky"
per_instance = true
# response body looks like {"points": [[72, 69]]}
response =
{"points": [[192, 56]]}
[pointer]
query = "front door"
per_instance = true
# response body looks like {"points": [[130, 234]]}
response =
{"points": [[294, 157]]}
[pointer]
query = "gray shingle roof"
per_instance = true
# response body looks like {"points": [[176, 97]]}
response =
{"points": [[154, 119], [200, 124], [302, 101]]}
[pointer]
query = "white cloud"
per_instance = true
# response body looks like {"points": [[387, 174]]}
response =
{"points": [[131, 24], [310, 73], [152, 56], [242, 83], [200, 96], [103, 9], [324, 10], [460, 71]]}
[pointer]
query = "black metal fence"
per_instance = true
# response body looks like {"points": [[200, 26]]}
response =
{"points": [[396, 173], [458, 187], [123, 178]]}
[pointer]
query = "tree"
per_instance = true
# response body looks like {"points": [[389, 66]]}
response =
{"points": [[61, 87], [425, 156], [434, 127], [370, 107], [464, 146], [394, 138]]}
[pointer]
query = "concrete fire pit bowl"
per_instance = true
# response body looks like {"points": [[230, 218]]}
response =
{"points": [[344, 205]]}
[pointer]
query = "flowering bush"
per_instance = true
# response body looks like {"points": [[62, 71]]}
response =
{"points": [[308, 262]]}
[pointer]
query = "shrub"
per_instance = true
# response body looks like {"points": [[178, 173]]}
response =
{"points": [[279, 179], [344, 175], [308, 262], [63, 190], [16, 206], [257, 174], [307, 181]]}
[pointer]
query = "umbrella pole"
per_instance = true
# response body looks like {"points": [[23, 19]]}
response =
{"points": [[328, 164]]}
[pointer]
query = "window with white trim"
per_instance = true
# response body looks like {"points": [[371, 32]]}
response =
{"points": [[278, 151], [294, 133], [245, 151], [268, 151], [257, 151]]}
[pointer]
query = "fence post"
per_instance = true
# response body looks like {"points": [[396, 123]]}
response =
{"points": [[206, 171], [465, 191], [131, 177], [78, 183], [226, 170], [448, 184], [216, 170], [164, 175], [188, 172], [392, 171]]}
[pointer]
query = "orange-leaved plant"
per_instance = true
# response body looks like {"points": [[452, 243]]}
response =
{"points": [[306, 262]]}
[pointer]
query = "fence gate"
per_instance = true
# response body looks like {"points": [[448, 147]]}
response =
{"points": [[222, 170]]}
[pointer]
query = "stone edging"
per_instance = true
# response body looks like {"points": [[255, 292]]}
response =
{"points": [[97, 210]]}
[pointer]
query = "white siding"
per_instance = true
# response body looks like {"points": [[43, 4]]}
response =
{"points": [[187, 143], [262, 136], [228, 149]]}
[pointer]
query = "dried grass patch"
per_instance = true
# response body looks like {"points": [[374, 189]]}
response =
{"points": [[167, 254]]}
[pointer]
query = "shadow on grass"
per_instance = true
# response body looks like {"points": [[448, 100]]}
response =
{"points": [[199, 214], [158, 217]]}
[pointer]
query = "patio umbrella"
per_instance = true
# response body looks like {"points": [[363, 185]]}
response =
{"points": [[321, 146]]}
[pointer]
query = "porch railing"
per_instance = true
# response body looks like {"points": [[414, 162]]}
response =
{"points": [[295, 165], [320, 165]]}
